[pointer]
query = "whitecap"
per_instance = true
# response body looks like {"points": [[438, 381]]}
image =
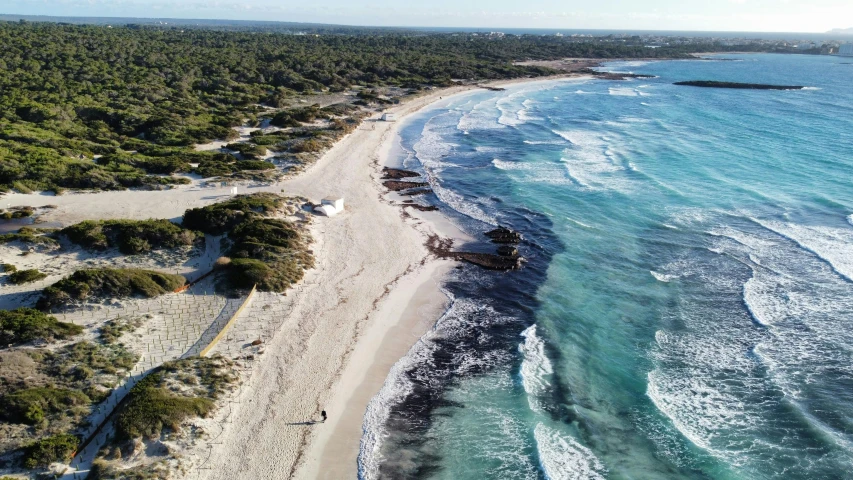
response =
{"points": [[536, 368], [663, 277], [623, 92], [564, 458], [833, 245]]}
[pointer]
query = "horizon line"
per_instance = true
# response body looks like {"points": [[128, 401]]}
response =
{"points": [[416, 27]]}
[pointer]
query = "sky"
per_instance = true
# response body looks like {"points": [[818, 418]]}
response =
{"points": [[705, 15]]}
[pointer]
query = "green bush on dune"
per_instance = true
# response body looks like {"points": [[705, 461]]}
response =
{"points": [[31, 406], [24, 325], [109, 283], [57, 448], [221, 217], [26, 276], [130, 236], [156, 403]]}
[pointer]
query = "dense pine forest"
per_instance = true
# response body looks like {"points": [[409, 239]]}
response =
{"points": [[97, 107]]}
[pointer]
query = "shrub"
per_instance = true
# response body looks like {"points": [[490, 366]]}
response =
{"points": [[30, 236], [57, 448], [254, 165], [110, 283], [221, 217], [9, 268], [26, 276], [151, 406], [129, 236], [247, 150], [32, 405], [24, 325]]}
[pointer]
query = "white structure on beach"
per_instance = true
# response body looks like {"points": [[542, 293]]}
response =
{"points": [[389, 117], [330, 206]]}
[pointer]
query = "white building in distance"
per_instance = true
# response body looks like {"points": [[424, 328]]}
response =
{"points": [[330, 206], [389, 117]]}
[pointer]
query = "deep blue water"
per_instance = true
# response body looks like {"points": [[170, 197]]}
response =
{"points": [[687, 307]]}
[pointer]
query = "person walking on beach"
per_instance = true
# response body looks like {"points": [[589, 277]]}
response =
{"points": [[323, 414]]}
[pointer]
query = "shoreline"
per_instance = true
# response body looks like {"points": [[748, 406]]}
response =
{"points": [[373, 294], [333, 453]]}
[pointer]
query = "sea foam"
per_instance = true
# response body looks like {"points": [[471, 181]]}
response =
{"points": [[564, 458]]}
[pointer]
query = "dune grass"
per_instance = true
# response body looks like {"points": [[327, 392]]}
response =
{"points": [[23, 325], [109, 283]]}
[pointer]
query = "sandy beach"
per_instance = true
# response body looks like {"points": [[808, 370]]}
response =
{"points": [[374, 293]]}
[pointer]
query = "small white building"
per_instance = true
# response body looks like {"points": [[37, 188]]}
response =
{"points": [[389, 117], [330, 206]]}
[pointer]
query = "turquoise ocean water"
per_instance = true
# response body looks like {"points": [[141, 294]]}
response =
{"points": [[687, 307]]}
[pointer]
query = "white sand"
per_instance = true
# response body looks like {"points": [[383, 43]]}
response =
{"points": [[373, 294]]}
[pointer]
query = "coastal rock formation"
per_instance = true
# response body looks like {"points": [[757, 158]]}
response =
{"points": [[745, 86], [396, 185], [396, 174], [417, 191], [508, 260], [422, 208], [504, 235]]}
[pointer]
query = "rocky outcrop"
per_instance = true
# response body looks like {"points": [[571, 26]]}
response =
{"points": [[422, 208], [506, 258], [396, 185], [744, 86], [396, 174], [416, 192], [504, 235]]}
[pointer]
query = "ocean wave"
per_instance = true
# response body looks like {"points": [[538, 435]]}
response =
{"points": [[624, 92], [578, 222], [397, 387], [564, 458], [663, 277], [536, 368], [484, 116], [543, 142], [833, 245], [592, 162], [462, 316]]}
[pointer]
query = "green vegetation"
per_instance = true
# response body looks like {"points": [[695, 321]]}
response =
{"points": [[57, 448], [112, 330], [103, 470], [47, 394], [18, 212], [269, 252], [26, 276], [247, 150], [222, 217], [109, 283], [162, 399], [31, 406], [30, 236], [220, 165], [9, 268], [139, 98], [24, 325], [130, 236]]}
